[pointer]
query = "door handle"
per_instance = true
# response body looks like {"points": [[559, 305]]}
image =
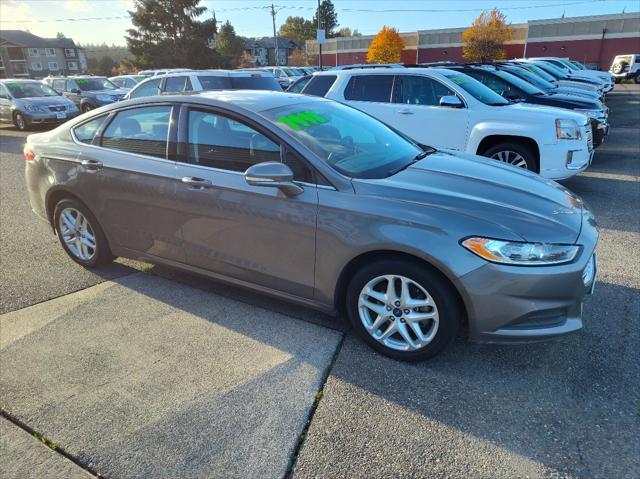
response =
{"points": [[92, 165], [196, 183], [405, 111]]}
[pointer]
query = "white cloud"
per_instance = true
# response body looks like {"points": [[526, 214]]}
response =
{"points": [[13, 14], [76, 6]]}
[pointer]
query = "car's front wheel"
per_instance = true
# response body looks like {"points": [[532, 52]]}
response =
{"points": [[86, 107], [403, 309], [80, 234], [513, 154], [19, 121]]}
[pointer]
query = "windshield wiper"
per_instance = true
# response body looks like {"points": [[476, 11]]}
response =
{"points": [[417, 158]]}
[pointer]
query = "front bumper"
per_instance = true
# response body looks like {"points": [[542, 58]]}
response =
{"points": [[508, 304], [53, 118], [564, 159]]}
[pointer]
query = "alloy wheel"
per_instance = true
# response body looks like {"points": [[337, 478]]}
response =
{"points": [[398, 312], [511, 157], [77, 234], [20, 123]]}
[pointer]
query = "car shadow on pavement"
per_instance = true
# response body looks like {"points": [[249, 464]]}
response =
{"points": [[570, 405]]}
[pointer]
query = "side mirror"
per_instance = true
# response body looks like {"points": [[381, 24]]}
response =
{"points": [[75, 90], [274, 174], [451, 101]]}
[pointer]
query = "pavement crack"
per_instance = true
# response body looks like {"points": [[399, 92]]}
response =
{"points": [[316, 402], [55, 447]]}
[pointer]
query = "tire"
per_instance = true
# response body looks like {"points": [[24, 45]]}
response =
{"points": [[617, 80], [636, 79], [443, 302], [86, 107], [19, 121], [514, 154], [100, 254]]}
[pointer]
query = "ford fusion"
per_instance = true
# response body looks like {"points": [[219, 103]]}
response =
{"points": [[317, 203]]}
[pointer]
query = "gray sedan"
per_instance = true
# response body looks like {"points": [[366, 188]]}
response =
{"points": [[315, 202]]}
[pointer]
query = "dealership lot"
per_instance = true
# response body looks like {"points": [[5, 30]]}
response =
{"points": [[145, 375]]}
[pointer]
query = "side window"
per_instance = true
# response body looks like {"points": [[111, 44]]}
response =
{"points": [[58, 85], [319, 85], [149, 88], [419, 90], [301, 172], [369, 88], [87, 131], [72, 85], [177, 84], [139, 130], [219, 142]]}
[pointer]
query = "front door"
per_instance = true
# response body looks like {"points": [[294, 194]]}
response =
{"points": [[254, 234], [130, 183]]}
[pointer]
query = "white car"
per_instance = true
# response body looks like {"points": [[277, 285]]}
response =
{"points": [[152, 73], [626, 67], [202, 80], [561, 78], [450, 110], [565, 65], [127, 82]]}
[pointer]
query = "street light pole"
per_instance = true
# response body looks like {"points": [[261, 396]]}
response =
{"points": [[275, 37], [319, 44]]}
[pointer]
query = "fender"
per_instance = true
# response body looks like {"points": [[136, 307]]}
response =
{"points": [[483, 129]]}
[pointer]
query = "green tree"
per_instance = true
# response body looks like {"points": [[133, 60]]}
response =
{"points": [[167, 34], [346, 32], [105, 65], [484, 40], [328, 18], [229, 45], [60, 36], [298, 29]]}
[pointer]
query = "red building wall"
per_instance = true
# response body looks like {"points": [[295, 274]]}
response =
{"points": [[454, 54], [589, 51]]}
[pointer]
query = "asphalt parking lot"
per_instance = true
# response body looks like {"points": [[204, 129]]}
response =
{"points": [[140, 371]]}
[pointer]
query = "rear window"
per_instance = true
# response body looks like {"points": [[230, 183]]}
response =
{"points": [[319, 85], [254, 82], [369, 88]]}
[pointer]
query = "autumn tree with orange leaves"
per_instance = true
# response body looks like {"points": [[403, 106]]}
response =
{"points": [[386, 46], [484, 40]]}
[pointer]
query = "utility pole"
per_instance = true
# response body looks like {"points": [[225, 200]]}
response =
{"points": [[319, 44], [275, 37]]}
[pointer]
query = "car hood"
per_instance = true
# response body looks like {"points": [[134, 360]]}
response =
{"points": [[580, 103], [478, 189], [44, 100], [117, 92], [551, 112]]}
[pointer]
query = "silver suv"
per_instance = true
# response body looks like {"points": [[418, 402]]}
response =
{"points": [[625, 67]]}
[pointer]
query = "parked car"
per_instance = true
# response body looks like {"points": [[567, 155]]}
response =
{"points": [[574, 72], [317, 203], [87, 92], [626, 67], [299, 84], [126, 82], [284, 75], [29, 102], [163, 71], [515, 89], [561, 78], [448, 109], [202, 80]]}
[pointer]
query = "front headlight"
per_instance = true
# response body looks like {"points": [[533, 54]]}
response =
{"points": [[104, 98], [522, 254], [567, 130], [34, 108]]}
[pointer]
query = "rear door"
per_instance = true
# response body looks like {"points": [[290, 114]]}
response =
{"points": [[249, 233], [371, 94], [127, 174], [416, 111]]}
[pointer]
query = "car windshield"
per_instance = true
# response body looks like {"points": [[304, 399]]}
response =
{"points": [[351, 142], [578, 65], [553, 71], [476, 89], [531, 78], [30, 89], [95, 84], [138, 78], [518, 82], [288, 72], [539, 71], [569, 65]]}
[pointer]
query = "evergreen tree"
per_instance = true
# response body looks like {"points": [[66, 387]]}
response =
{"points": [[328, 18], [298, 29], [167, 34], [229, 45]]}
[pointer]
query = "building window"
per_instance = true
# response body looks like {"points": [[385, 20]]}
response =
{"points": [[69, 52], [19, 68], [72, 65], [33, 52], [50, 52], [53, 66], [36, 66], [15, 53]]}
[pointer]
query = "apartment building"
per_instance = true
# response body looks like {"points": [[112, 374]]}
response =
{"points": [[263, 52], [24, 55]]}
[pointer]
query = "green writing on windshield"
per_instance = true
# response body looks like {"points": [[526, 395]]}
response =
{"points": [[14, 85], [302, 119], [82, 82], [459, 80]]}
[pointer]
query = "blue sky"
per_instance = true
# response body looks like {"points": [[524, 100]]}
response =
{"points": [[250, 19]]}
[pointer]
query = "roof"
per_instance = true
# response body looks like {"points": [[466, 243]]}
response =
{"points": [[268, 43], [257, 100], [26, 39]]}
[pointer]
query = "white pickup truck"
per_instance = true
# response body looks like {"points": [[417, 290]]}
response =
{"points": [[450, 110]]}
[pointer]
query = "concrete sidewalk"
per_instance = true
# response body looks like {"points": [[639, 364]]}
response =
{"points": [[144, 377]]}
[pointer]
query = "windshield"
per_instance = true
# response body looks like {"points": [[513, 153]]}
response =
{"points": [[553, 71], [519, 83], [30, 89], [476, 89], [253, 82], [138, 78], [578, 65], [539, 71], [351, 142], [95, 84], [531, 78], [569, 65]]}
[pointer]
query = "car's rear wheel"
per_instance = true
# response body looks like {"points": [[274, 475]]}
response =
{"points": [[402, 309], [513, 154], [80, 234], [19, 121]]}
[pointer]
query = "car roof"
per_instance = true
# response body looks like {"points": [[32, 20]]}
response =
{"points": [[13, 80], [384, 71]]}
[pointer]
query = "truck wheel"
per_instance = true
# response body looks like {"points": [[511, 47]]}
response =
{"points": [[514, 154]]}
